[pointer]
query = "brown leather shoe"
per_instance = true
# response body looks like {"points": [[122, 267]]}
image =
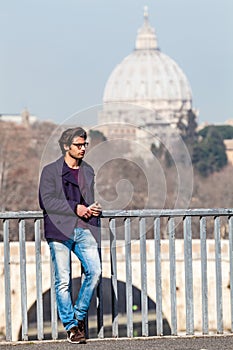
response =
{"points": [[76, 334]]}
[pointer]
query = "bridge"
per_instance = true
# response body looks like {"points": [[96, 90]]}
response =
{"points": [[159, 286]]}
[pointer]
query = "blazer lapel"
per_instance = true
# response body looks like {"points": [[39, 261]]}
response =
{"points": [[85, 178], [82, 181], [85, 182], [63, 171]]}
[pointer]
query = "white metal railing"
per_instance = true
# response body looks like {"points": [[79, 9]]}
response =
{"points": [[127, 216]]}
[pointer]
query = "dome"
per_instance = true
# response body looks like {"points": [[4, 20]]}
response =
{"points": [[149, 78]]}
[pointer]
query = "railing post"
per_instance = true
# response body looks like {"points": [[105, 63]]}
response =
{"points": [[204, 284], [144, 298], [39, 292], [7, 278], [158, 285], [53, 301], [218, 268], [99, 293], [129, 288], [188, 275], [172, 258], [23, 279], [113, 258], [231, 266]]}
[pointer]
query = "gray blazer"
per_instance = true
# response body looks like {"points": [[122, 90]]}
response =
{"points": [[59, 195]]}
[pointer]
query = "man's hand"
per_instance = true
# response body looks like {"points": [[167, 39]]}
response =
{"points": [[83, 211], [95, 209]]}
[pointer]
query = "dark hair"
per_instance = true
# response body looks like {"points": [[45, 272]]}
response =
{"points": [[68, 136]]}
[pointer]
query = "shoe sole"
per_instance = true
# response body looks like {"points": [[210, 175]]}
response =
{"points": [[81, 341]]}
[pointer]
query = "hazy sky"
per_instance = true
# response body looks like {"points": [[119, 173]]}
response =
{"points": [[56, 55]]}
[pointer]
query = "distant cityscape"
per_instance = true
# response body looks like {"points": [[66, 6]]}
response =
{"points": [[147, 92]]}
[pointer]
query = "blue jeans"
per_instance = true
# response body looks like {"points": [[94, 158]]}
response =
{"points": [[84, 246]]}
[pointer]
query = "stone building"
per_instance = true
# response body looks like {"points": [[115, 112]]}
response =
{"points": [[229, 150], [24, 118]]}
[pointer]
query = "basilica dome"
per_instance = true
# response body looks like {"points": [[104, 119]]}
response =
{"points": [[146, 92], [149, 78]]}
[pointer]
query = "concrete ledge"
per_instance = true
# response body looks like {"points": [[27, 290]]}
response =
{"points": [[208, 342]]}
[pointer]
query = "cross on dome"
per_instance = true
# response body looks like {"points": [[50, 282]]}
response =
{"points": [[146, 14], [146, 38]]}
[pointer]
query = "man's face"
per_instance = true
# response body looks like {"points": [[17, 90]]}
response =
{"points": [[77, 148]]}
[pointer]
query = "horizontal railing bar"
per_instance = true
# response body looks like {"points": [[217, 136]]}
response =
{"points": [[167, 212], [132, 213], [21, 215]]}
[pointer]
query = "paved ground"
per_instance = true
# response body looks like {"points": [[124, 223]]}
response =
{"points": [[223, 342]]}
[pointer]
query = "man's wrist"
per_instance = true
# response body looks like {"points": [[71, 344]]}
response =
{"points": [[77, 208]]}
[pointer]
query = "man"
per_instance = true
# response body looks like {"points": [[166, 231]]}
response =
{"points": [[66, 195]]}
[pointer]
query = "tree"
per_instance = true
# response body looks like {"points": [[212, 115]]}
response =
{"points": [[187, 126], [226, 131], [21, 151], [96, 137], [209, 154]]}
